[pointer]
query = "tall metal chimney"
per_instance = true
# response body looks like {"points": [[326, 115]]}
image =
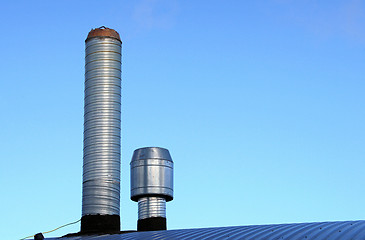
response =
{"points": [[102, 125], [152, 186]]}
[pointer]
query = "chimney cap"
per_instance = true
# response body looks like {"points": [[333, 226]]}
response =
{"points": [[103, 32]]}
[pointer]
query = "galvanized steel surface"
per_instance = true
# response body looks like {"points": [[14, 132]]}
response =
{"points": [[151, 173], [151, 207], [345, 230], [102, 124]]}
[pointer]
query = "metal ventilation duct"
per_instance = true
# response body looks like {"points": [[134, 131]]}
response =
{"points": [[151, 186], [102, 127]]}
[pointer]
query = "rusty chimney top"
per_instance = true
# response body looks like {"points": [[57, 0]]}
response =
{"points": [[103, 32]]}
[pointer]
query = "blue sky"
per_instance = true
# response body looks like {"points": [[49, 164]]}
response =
{"points": [[261, 104]]}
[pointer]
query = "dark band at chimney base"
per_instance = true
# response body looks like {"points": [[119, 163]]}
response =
{"points": [[151, 224], [100, 224]]}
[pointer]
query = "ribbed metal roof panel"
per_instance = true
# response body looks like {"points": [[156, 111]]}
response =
{"points": [[344, 230]]}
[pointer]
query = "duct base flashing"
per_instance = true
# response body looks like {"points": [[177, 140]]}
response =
{"points": [[151, 224], [100, 224]]}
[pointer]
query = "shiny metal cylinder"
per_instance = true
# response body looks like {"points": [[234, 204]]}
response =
{"points": [[151, 173], [149, 207], [102, 127]]}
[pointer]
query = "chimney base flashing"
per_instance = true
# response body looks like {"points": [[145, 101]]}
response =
{"points": [[151, 224], [100, 224]]}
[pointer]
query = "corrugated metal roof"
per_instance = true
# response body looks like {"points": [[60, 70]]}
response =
{"points": [[323, 230]]}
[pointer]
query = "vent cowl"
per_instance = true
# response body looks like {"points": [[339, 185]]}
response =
{"points": [[151, 186]]}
